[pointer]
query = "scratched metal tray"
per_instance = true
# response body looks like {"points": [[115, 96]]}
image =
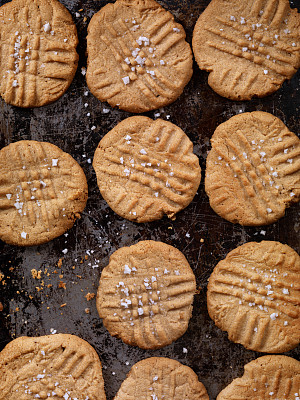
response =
{"points": [[60, 296]]}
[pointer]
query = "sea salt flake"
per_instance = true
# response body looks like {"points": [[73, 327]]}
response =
{"points": [[126, 80], [23, 235], [47, 27], [54, 162], [140, 311]]}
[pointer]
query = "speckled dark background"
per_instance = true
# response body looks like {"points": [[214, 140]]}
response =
{"points": [[31, 308]]}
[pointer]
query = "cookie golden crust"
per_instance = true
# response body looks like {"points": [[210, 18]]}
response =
{"points": [[42, 192], [254, 296], [50, 367], [146, 169], [138, 58], [253, 169], [268, 377], [38, 58], [145, 294], [161, 378], [249, 47]]}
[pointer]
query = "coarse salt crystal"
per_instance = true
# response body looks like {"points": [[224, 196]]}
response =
{"points": [[127, 270], [47, 27], [126, 80], [54, 162], [143, 151], [23, 235]]}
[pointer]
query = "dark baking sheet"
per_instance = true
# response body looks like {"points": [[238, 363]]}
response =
{"points": [[32, 307]]}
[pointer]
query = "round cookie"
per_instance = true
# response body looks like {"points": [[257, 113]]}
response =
{"points": [[50, 367], [146, 169], [248, 47], [146, 293], [138, 59], [268, 377], [38, 57], [253, 294], [161, 378], [253, 169], [42, 192]]}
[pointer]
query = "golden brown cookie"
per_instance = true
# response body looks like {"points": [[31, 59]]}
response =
{"points": [[42, 192], [145, 294], [38, 58], [161, 378], [50, 367], [253, 169], [249, 47], [146, 169], [254, 295], [138, 58], [268, 377]]}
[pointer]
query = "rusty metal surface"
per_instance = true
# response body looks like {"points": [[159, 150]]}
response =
{"points": [[33, 306]]}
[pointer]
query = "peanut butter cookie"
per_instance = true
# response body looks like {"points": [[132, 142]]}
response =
{"points": [[268, 377], [38, 58], [161, 378], [253, 169], [146, 169], [254, 295], [146, 293], [50, 367], [42, 192], [138, 59], [249, 47]]}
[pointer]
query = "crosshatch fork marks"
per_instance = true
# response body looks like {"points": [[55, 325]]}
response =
{"points": [[39, 58], [161, 378], [140, 44], [151, 157], [59, 364], [258, 39], [256, 157], [146, 293], [254, 294], [273, 376], [42, 191]]}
